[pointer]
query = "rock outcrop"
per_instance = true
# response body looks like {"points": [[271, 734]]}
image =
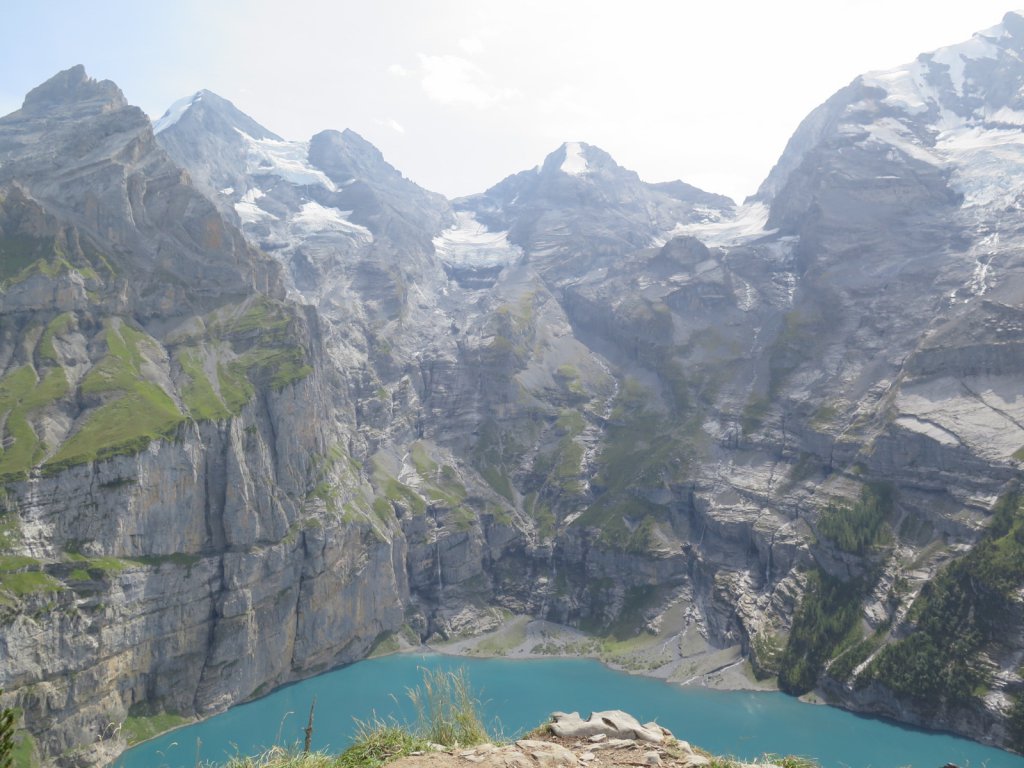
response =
{"points": [[568, 742]]}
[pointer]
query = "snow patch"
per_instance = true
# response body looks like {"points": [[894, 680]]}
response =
{"points": [[250, 213], [894, 134], [988, 164], [1004, 115], [175, 111], [906, 87], [575, 162], [747, 224], [955, 58], [287, 160], [313, 217], [470, 244]]}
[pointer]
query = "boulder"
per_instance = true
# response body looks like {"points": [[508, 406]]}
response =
{"points": [[612, 723]]}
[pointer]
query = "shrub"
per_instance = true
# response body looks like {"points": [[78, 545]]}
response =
{"points": [[447, 709]]}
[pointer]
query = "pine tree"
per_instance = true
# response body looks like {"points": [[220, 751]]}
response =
{"points": [[6, 737]]}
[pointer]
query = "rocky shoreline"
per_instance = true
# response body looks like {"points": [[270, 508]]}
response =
{"points": [[675, 653]]}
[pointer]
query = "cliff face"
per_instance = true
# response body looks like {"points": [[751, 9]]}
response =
{"points": [[169, 430], [260, 414]]}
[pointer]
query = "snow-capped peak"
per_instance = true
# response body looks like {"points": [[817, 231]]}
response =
{"points": [[575, 162], [918, 86], [175, 111]]}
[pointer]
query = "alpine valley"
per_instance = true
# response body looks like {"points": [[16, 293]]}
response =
{"points": [[266, 405]]}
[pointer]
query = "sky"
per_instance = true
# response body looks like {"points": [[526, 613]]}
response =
{"points": [[459, 94]]}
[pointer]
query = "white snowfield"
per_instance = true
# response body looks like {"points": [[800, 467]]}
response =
{"points": [[983, 149], [284, 159], [314, 218], [470, 244], [175, 111], [247, 209], [575, 162], [747, 224]]}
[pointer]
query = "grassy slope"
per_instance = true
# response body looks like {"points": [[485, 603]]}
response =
{"points": [[246, 348]]}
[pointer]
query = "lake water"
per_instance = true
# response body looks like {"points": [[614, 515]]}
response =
{"points": [[523, 692]]}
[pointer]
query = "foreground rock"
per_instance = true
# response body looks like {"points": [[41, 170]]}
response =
{"points": [[597, 742]]}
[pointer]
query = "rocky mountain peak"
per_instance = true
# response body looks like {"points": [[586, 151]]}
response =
{"points": [[74, 91], [345, 155], [581, 161], [945, 127], [1013, 24], [206, 111]]}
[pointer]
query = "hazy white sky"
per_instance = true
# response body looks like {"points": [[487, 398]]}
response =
{"points": [[461, 93]]}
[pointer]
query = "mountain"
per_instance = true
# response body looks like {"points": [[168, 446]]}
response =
{"points": [[580, 196], [270, 400], [165, 426]]}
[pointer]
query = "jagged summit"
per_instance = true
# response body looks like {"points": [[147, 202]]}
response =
{"points": [[87, 161], [336, 188], [957, 110], [577, 158], [212, 113], [582, 162], [554, 207], [73, 90], [345, 155]]}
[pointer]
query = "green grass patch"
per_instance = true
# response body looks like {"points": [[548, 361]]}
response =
{"points": [[112, 565], [24, 583], [425, 466], [140, 728], [276, 366], [235, 388], [21, 256], [181, 559], [327, 494], [16, 562], [261, 314], [570, 421], [21, 394], [396, 491], [499, 481], [24, 753], [56, 327], [504, 640], [125, 426], [10, 528], [541, 513], [200, 397]]}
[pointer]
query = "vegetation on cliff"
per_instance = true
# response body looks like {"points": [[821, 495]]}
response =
{"points": [[957, 616]]}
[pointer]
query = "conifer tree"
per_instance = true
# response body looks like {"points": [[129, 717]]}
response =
{"points": [[6, 737]]}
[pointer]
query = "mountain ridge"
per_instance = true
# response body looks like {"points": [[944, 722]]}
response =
{"points": [[575, 396]]}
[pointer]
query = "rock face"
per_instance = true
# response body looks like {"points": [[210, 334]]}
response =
{"points": [[265, 403]]}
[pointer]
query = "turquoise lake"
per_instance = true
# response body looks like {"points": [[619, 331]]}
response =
{"points": [[523, 692]]}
